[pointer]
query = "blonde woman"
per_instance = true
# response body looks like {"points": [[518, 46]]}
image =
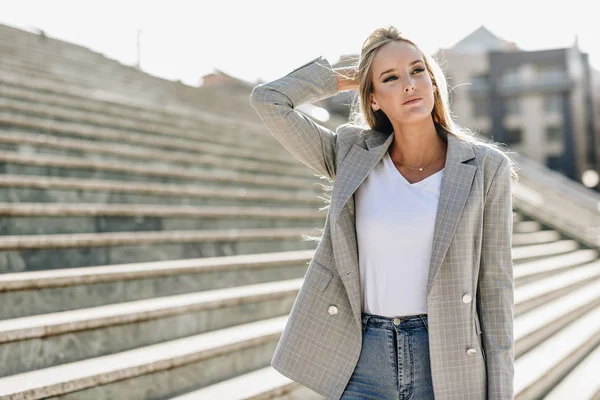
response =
{"points": [[410, 291]]}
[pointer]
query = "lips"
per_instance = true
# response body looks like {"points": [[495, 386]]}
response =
{"points": [[412, 100]]}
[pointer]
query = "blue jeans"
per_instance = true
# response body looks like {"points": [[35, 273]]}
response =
{"points": [[394, 360]]}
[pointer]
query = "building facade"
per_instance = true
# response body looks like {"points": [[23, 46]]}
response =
{"points": [[541, 104]]}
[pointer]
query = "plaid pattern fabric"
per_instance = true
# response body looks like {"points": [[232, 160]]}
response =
{"points": [[470, 288]]}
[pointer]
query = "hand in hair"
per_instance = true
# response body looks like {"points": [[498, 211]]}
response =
{"points": [[347, 78]]}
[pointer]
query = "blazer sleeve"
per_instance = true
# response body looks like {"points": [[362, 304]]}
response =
{"points": [[275, 102], [496, 285]]}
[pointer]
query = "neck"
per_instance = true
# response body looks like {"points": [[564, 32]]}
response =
{"points": [[415, 144]]}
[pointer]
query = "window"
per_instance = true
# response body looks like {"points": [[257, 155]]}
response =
{"points": [[555, 163], [549, 72], [554, 134], [480, 107], [552, 103], [510, 77], [480, 81], [514, 135], [512, 105]]}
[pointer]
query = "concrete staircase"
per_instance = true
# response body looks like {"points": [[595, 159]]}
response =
{"points": [[154, 250]]}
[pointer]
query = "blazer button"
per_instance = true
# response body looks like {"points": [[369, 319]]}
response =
{"points": [[467, 298], [471, 352], [332, 310]]}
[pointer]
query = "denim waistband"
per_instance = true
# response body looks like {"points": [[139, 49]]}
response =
{"points": [[406, 321]]}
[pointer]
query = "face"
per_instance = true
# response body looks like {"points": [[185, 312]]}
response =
{"points": [[399, 74]]}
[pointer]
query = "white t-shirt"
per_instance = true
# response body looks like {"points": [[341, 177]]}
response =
{"points": [[394, 227]]}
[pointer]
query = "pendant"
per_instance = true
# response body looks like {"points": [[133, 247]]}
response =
{"points": [[420, 169]]}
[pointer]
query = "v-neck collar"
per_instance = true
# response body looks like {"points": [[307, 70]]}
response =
{"points": [[395, 172]]}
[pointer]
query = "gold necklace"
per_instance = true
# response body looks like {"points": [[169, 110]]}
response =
{"points": [[419, 169]]}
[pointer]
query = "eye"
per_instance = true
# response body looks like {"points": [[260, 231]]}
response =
{"points": [[388, 78], [418, 70]]}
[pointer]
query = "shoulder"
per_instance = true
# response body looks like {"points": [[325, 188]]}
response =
{"points": [[492, 161], [350, 131], [489, 156]]}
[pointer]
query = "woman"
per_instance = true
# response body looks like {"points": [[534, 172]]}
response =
{"points": [[410, 290]]}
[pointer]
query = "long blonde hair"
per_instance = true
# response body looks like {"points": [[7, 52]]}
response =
{"points": [[362, 114]]}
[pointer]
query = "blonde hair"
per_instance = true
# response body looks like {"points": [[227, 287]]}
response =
{"points": [[362, 114]]}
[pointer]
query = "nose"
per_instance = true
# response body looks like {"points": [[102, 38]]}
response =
{"points": [[409, 86]]}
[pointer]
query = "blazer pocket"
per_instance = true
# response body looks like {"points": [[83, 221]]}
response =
{"points": [[318, 276], [477, 323]]}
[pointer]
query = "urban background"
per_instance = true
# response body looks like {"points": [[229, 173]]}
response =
{"points": [[155, 235]]}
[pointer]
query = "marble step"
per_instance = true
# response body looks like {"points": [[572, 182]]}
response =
{"points": [[264, 384], [199, 125], [77, 167], [58, 251], [582, 382], [76, 335], [30, 188], [67, 333], [62, 218], [74, 129], [40, 292], [539, 251], [23, 141], [163, 369], [543, 367]]}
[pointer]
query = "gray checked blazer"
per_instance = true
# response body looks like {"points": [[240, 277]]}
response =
{"points": [[470, 294]]}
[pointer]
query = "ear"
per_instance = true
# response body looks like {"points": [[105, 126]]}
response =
{"points": [[374, 104]]}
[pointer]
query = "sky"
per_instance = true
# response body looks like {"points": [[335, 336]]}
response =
{"points": [[261, 40]]}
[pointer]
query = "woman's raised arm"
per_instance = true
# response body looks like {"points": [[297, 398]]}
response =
{"points": [[275, 102]]}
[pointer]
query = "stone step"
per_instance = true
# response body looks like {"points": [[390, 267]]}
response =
{"points": [[76, 167], [57, 251], [582, 380], [34, 91], [276, 154], [265, 383], [114, 86], [159, 370], [65, 337], [60, 73], [527, 227], [40, 292], [540, 292], [58, 87], [549, 317], [66, 334], [543, 367], [36, 376], [57, 218], [523, 239], [43, 60], [178, 119], [214, 130], [25, 189], [538, 251], [20, 141], [535, 270]]}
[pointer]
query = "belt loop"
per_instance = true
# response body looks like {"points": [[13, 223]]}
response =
{"points": [[365, 321], [423, 316]]}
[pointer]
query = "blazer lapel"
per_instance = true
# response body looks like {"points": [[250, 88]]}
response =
{"points": [[456, 186], [354, 169]]}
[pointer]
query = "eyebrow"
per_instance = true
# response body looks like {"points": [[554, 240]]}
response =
{"points": [[392, 69]]}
